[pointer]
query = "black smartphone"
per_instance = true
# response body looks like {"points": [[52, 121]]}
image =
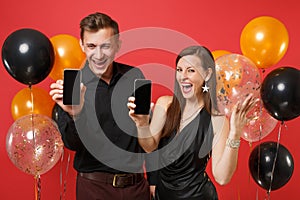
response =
{"points": [[71, 91], [142, 94]]}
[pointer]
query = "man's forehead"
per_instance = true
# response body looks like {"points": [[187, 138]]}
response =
{"points": [[101, 36]]}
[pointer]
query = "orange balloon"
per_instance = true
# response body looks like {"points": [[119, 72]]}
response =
{"points": [[217, 53], [32, 101], [68, 54], [264, 40]]}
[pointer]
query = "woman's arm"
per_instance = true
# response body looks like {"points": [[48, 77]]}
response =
{"points": [[149, 133], [224, 154]]}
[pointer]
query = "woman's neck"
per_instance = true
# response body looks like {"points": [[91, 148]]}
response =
{"points": [[192, 104]]}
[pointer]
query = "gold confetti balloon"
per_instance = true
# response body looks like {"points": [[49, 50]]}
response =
{"points": [[33, 144], [237, 77]]}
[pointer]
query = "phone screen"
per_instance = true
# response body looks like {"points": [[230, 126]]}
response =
{"points": [[142, 94], [71, 91]]}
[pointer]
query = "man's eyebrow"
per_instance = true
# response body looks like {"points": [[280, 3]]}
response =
{"points": [[104, 43], [90, 43]]}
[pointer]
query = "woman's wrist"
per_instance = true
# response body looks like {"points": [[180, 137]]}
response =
{"points": [[144, 131], [235, 134], [233, 143], [233, 140], [142, 126]]}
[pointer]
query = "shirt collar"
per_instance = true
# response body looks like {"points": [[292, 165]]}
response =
{"points": [[89, 76]]}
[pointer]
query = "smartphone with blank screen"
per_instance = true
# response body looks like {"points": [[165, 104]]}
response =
{"points": [[142, 94], [71, 91]]}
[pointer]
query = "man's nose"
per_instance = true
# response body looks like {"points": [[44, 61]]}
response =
{"points": [[98, 52]]}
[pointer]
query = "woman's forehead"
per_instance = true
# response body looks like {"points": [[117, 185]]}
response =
{"points": [[189, 61]]}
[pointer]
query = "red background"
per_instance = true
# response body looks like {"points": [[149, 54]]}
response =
{"points": [[216, 24]]}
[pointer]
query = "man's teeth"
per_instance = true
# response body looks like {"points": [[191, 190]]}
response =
{"points": [[100, 62]]}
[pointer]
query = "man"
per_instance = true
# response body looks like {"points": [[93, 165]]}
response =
{"points": [[108, 157]]}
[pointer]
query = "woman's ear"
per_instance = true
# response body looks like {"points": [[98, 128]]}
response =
{"points": [[208, 74]]}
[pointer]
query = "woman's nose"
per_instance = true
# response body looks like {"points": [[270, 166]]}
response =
{"points": [[184, 73]]}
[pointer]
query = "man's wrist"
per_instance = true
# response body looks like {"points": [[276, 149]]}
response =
{"points": [[75, 116]]}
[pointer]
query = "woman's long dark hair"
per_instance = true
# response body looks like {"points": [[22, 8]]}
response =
{"points": [[178, 103]]}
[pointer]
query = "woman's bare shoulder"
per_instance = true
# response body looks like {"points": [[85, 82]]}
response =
{"points": [[164, 100]]}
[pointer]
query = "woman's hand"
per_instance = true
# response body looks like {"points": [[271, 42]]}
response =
{"points": [[140, 120], [239, 116], [57, 95]]}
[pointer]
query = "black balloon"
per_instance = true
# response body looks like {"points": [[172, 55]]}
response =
{"points": [[28, 56], [280, 93], [261, 164]]}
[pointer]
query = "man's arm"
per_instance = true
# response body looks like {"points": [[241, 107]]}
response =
{"points": [[67, 128]]}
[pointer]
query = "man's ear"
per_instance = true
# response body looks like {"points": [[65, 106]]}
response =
{"points": [[119, 43], [81, 45], [208, 74]]}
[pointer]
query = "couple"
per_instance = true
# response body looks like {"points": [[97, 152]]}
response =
{"points": [[185, 128]]}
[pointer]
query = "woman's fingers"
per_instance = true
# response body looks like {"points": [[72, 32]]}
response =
{"points": [[248, 104], [131, 112], [247, 101], [131, 99]]}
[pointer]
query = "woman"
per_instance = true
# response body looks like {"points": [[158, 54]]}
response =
{"points": [[188, 129]]}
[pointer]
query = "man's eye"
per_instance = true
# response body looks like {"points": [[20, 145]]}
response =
{"points": [[91, 46], [107, 46]]}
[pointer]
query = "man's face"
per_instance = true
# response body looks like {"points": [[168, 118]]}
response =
{"points": [[100, 48]]}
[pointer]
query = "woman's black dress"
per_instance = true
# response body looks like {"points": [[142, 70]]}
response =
{"points": [[184, 157]]}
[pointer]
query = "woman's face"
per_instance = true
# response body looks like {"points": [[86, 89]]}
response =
{"points": [[190, 76]]}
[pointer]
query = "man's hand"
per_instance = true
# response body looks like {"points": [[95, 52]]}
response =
{"points": [[57, 95]]}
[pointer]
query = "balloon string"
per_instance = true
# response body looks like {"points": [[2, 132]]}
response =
{"points": [[239, 193], [31, 97], [37, 177], [268, 196], [61, 174], [63, 184], [37, 187], [32, 122], [258, 161], [249, 176], [276, 154], [260, 115], [260, 135]]}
